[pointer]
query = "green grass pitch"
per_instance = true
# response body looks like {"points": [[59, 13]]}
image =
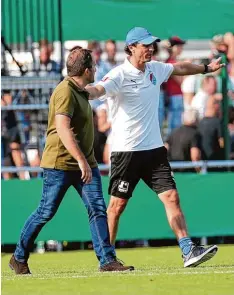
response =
{"points": [[158, 271]]}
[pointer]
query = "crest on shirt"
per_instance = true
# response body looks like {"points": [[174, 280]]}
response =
{"points": [[152, 79]]}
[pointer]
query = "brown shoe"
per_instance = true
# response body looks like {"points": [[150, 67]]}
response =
{"points": [[20, 268], [116, 266]]}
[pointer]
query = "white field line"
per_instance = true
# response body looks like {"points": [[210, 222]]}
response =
{"points": [[132, 274]]}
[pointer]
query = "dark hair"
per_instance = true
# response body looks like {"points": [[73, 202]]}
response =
{"points": [[94, 45], [110, 41], [78, 61], [75, 47], [127, 50], [43, 42]]}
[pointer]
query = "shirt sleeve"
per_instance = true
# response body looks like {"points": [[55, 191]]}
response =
{"points": [[112, 82], [162, 70], [64, 103]]}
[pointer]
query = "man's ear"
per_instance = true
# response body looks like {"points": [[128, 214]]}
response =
{"points": [[86, 71], [131, 48]]}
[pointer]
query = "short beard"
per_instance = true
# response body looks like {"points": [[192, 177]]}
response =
{"points": [[90, 80]]}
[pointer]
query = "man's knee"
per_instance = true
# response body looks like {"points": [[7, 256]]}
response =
{"points": [[116, 206], [95, 206], [170, 197], [45, 215], [96, 209]]}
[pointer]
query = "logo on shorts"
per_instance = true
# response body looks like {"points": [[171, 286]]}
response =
{"points": [[123, 186]]}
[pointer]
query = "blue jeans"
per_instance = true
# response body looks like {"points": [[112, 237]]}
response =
{"points": [[55, 184], [176, 108]]}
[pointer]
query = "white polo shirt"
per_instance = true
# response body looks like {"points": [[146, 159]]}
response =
{"points": [[133, 99]]}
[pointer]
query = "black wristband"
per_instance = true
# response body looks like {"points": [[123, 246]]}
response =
{"points": [[206, 70]]}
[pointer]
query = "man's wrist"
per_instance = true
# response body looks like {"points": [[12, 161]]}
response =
{"points": [[206, 69], [80, 159]]}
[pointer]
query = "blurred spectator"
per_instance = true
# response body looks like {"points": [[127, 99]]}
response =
{"points": [[16, 147], [21, 136], [46, 65], [208, 89], [99, 140], [189, 88], [101, 66], [10, 138], [183, 144], [33, 158], [111, 50], [192, 84], [173, 85], [24, 117], [231, 130], [104, 126], [210, 131], [161, 108], [224, 44]]}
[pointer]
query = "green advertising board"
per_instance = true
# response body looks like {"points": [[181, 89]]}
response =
{"points": [[207, 201]]}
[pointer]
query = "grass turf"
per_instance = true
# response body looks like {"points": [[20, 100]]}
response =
{"points": [[158, 271]]}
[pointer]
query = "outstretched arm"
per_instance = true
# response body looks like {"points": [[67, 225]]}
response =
{"points": [[95, 91], [187, 68]]}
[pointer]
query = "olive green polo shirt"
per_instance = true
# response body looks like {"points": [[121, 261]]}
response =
{"points": [[68, 99]]}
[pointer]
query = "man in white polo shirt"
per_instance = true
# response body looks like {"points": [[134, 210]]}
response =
{"points": [[132, 93]]}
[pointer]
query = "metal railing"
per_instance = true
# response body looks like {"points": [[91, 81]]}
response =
{"points": [[25, 107], [204, 165], [30, 83]]}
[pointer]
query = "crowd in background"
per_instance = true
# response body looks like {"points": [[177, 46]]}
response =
{"points": [[190, 111]]}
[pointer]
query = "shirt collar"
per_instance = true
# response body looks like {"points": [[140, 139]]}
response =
{"points": [[130, 67], [84, 91]]}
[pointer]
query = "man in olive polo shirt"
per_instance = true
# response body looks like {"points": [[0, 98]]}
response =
{"points": [[68, 160]]}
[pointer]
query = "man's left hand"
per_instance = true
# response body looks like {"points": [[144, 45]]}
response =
{"points": [[215, 65]]}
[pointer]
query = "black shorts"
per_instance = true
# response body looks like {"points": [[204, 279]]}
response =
{"points": [[127, 168]]}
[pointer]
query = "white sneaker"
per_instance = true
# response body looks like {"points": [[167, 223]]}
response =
{"points": [[198, 255]]}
